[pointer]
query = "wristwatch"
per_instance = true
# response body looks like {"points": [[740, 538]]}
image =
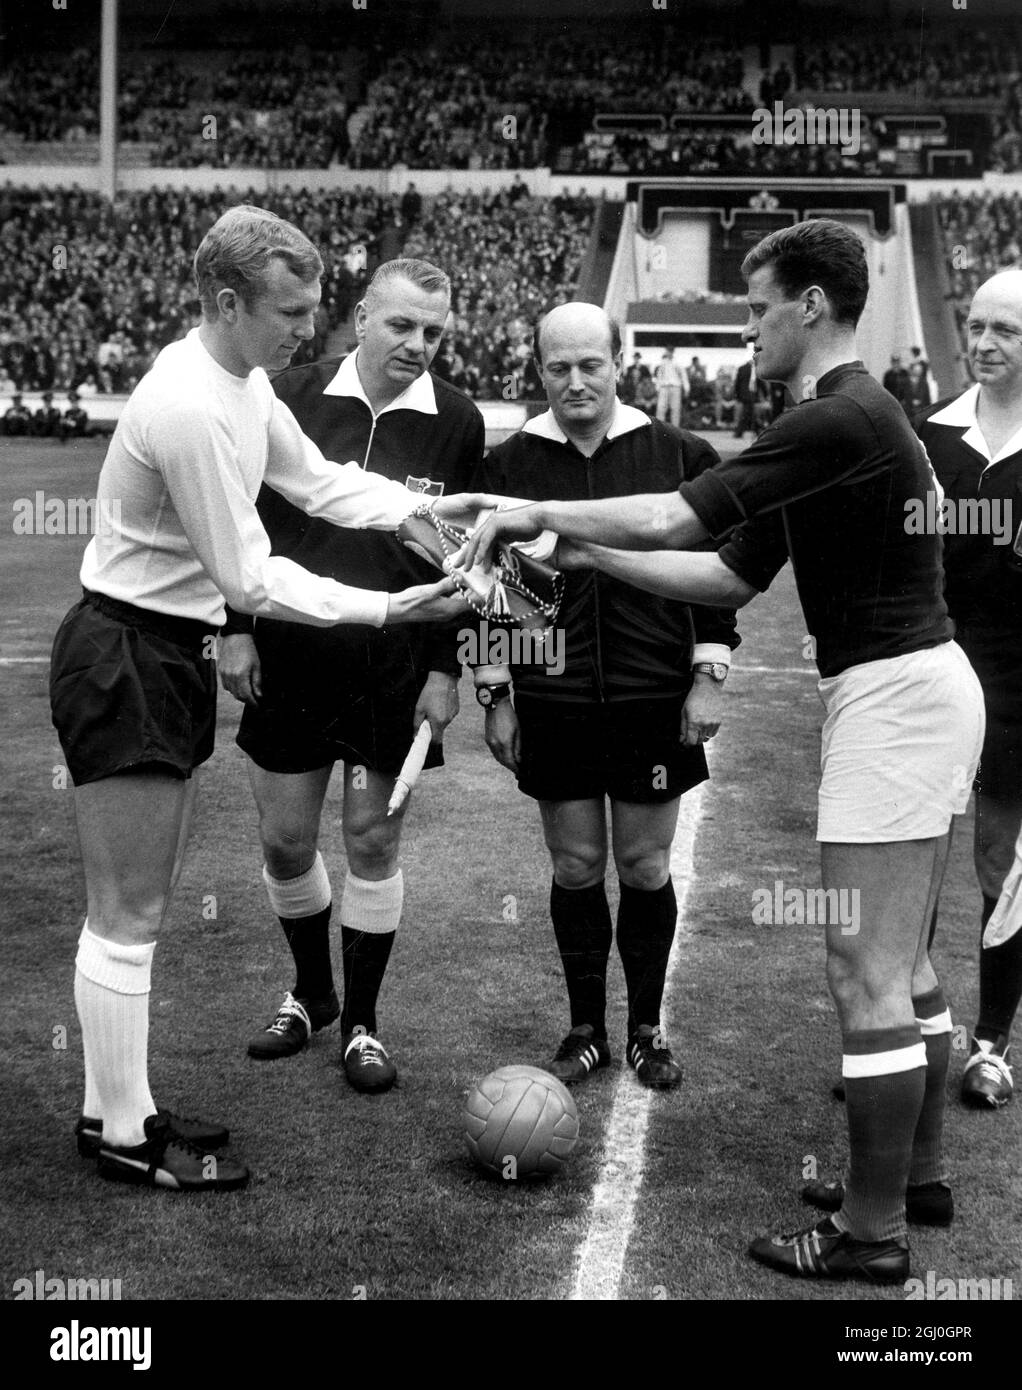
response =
{"points": [[716, 670], [490, 695]]}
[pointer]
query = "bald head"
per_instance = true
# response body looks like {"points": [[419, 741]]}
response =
{"points": [[994, 330], [577, 349], [589, 320]]}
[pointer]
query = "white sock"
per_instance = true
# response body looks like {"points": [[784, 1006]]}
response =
{"points": [[90, 1105], [112, 998]]}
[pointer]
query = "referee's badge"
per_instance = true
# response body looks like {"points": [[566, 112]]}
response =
{"points": [[426, 486]]}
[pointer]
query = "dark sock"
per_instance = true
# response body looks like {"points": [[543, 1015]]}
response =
{"points": [[883, 1112], [645, 933], [1000, 984], [927, 1146], [364, 959], [582, 929], [309, 939]]}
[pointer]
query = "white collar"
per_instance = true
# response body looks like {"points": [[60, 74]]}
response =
{"points": [[419, 395], [961, 414], [626, 418]]}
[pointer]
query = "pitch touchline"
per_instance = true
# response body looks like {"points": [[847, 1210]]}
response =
{"points": [[24, 660], [601, 1259]]}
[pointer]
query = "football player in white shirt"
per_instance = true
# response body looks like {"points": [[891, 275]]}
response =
{"points": [[133, 686]]}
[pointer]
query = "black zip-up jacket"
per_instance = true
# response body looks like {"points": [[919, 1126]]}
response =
{"points": [[620, 642], [983, 574], [430, 452]]}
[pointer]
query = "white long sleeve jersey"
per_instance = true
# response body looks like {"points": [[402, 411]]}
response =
{"points": [[177, 528]]}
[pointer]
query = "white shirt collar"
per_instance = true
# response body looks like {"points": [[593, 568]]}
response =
{"points": [[418, 396], [961, 414], [626, 418]]}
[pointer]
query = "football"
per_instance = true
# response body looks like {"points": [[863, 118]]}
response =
{"points": [[520, 1122]]}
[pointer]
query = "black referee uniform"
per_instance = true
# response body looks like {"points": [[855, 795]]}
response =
{"points": [[983, 590], [348, 693], [614, 711]]}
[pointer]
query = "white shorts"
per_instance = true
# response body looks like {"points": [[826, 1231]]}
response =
{"points": [[901, 742]]}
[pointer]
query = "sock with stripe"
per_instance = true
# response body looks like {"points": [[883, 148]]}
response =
{"points": [[884, 1071], [1000, 984], [645, 933], [112, 985], [302, 906], [934, 1019], [582, 929], [370, 914]]}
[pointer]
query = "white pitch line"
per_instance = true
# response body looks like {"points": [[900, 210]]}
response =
{"points": [[24, 660], [601, 1260]]}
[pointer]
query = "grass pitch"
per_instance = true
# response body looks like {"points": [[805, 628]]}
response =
{"points": [[358, 1196]]}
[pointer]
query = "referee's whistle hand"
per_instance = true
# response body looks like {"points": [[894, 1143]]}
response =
{"points": [[240, 672]]}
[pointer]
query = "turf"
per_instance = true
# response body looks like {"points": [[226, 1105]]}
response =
{"points": [[356, 1195]]}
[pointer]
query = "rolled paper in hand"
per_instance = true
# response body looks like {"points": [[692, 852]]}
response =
{"points": [[410, 769]]}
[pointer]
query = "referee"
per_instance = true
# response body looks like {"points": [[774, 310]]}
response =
{"points": [[639, 692], [357, 695], [132, 682], [975, 445], [827, 486]]}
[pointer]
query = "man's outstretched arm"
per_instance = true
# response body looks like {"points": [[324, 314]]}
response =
{"points": [[693, 577], [649, 521]]}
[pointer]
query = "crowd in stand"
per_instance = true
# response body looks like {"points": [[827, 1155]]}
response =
{"points": [[963, 62], [510, 258], [481, 101], [89, 293], [982, 234]]}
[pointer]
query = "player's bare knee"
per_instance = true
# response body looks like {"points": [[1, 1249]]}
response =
{"points": [[287, 851], [646, 870], [575, 868], [373, 848]]}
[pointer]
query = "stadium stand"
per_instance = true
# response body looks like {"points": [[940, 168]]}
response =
{"points": [[982, 234], [116, 287], [506, 99]]}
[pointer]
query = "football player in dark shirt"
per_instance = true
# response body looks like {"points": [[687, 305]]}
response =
{"points": [[829, 485]]}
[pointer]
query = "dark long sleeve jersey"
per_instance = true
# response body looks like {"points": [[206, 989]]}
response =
{"points": [[620, 643], [832, 484]]}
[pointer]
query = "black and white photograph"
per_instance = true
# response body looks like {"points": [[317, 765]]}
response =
{"points": [[511, 671]]}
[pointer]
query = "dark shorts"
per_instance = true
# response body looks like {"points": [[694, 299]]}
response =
{"points": [[325, 702], [999, 668], [628, 751], [131, 689]]}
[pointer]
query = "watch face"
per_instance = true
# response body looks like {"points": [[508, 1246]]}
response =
{"points": [[485, 697]]}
